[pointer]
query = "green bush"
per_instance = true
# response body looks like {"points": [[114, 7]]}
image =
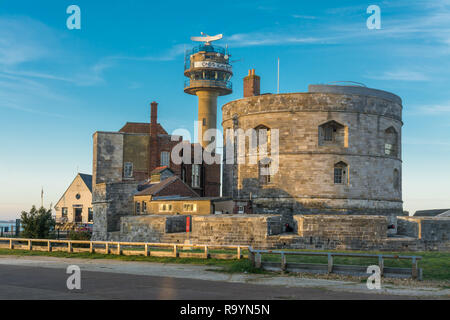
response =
{"points": [[79, 235]]}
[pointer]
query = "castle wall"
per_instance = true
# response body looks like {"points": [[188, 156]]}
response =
{"points": [[110, 202], [342, 227], [426, 228], [305, 179]]}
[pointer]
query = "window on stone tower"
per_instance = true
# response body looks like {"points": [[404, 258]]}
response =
{"points": [[333, 133], [196, 169], [340, 173], [262, 140], [128, 170], [264, 171], [390, 142], [165, 158], [396, 179]]}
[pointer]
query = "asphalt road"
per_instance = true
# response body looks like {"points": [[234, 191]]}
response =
{"points": [[31, 282]]}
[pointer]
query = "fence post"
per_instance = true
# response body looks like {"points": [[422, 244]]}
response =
{"points": [[146, 250], [30, 246], [91, 247], [11, 246], [283, 262], [239, 252], [251, 256], [206, 252], [119, 252], [107, 248], [175, 251], [49, 246], [69, 247], [414, 269], [381, 264], [258, 260], [330, 263]]}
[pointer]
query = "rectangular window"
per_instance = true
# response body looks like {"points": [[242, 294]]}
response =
{"points": [[388, 149], [328, 134], [241, 209], [128, 170], [196, 176], [338, 175], [137, 207], [264, 177], [165, 159], [190, 207], [165, 207], [64, 212], [144, 207], [90, 215]]}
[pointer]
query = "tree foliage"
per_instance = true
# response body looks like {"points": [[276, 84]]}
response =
{"points": [[37, 224]]}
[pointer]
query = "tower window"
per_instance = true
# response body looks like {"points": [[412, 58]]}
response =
{"points": [[333, 133], [196, 176], [165, 158], [128, 170], [340, 173], [264, 171], [390, 142]]}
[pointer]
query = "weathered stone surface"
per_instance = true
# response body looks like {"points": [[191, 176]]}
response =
{"points": [[425, 228], [304, 181]]}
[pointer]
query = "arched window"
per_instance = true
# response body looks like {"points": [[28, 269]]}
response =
{"points": [[264, 171], [333, 133], [396, 179], [390, 142], [341, 173], [263, 140]]}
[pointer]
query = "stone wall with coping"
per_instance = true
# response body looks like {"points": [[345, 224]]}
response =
{"points": [[341, 227], [425, 228]]}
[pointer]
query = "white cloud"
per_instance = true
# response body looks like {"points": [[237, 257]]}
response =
{"points": [[400, 75]]}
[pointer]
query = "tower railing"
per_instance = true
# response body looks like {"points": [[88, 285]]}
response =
{"points": [[208, 83], [205, 48]]}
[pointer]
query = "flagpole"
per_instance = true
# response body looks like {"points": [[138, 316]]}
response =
{"points": [[278, 79], [42, 197]]}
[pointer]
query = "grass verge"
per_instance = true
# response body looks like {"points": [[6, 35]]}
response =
{"points": [[435, 265]]}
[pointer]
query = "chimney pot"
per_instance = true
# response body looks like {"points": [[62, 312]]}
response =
{"points": [[251, 84]]}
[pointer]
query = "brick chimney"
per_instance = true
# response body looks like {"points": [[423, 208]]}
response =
{"points": [[154, 118], [153, 148], [251, 84]]}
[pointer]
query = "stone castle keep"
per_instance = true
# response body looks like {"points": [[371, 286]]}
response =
{"points": [[339, 151], [338, 183]]}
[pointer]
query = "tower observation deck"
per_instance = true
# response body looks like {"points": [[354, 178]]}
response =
{"points": [[209, 71]]}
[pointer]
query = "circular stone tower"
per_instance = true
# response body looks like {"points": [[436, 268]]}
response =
{"points": [[339, 151], [209, 71]]}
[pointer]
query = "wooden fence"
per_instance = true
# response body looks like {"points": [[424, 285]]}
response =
{"points": [[256, 257], [175, 250]]}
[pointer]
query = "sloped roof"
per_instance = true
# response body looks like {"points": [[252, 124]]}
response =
{"points": [[429, 213], [160, 169], [444, 214], [155, 188], [87, 179], [140, 127]]}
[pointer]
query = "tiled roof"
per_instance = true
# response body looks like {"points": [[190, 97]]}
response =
{"points": [[429, 213], [87, 179], [140, 127]]}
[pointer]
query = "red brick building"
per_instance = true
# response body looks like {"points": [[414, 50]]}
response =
{"points": [[132, 153]]}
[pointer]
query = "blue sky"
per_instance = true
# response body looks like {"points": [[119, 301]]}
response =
{"points": [[59, 86]]}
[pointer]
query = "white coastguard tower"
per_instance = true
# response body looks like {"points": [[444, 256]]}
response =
{"points": [[209, 71]]}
